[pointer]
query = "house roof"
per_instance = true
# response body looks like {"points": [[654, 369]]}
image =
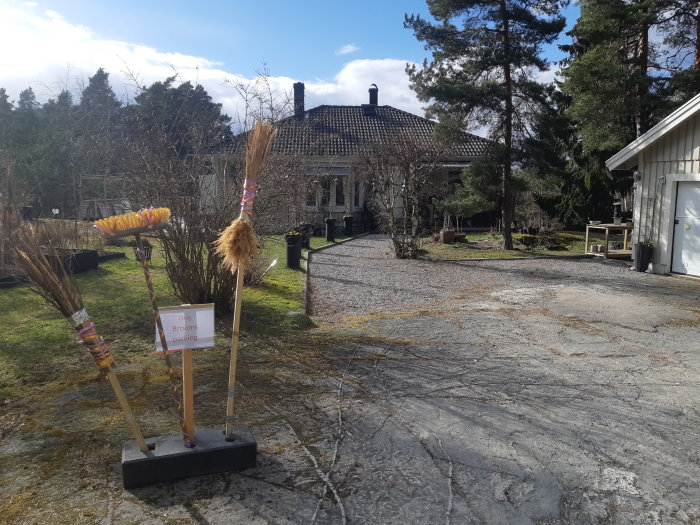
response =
{"points": [[626, 158], [348, 131]]}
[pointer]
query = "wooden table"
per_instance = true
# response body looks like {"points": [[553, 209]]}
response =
{"points": [[607, 252]]}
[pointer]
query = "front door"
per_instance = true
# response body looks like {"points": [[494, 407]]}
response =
{"points": [[686, 232]]}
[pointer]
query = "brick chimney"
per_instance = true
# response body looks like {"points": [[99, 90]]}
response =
{"points": [[373, 94], [299, 100]]}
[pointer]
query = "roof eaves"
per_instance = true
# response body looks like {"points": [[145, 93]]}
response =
{"points": [[626, 158]]}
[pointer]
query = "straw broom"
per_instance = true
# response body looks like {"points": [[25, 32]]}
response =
{"points": [[136, 223], [57, 287], [238, 244]]}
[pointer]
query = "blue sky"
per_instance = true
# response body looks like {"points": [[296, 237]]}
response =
{"points": [[337, 48]]}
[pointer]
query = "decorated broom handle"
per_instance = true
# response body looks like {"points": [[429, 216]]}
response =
{"points": [[128, 414], [103, 359], [161, 333], [234, 352]]}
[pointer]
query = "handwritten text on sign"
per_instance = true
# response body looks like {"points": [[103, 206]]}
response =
{"points": [[187, 326]]}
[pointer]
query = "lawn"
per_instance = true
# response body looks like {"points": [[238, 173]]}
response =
{"points": [[36, 344], [487, 246], [60, 423]]}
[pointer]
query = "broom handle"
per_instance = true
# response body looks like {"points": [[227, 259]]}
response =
{"points": [[128, 414], [161, 333], [234, 352]]}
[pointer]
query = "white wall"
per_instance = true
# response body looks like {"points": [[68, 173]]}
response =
{"points": [[672, 159]]}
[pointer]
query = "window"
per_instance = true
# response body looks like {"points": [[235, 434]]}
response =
{"points": [[325, 191], [311, 195], [357, 194], [340, 191]]}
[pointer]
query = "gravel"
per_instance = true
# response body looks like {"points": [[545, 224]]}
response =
{"points": [[362, 276]]}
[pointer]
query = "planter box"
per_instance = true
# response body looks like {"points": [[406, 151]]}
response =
{"points": [[642, 257], [447, 236], [76, 261]]}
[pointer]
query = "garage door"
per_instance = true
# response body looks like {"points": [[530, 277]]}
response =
{"points": [[686, 233]]}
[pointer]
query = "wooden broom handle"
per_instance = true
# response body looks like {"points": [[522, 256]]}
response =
{"points": [[234, 352]]}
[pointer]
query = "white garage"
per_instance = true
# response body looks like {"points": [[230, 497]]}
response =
{"points": [[666, 161]]}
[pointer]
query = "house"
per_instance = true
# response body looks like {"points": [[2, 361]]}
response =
{"points": [[666, 165], [328, 142]]}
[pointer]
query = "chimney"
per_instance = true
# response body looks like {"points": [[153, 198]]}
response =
{"points": [[299, 100], [373, 94]]}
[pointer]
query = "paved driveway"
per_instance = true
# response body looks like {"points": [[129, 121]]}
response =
{"points": [[527, 391]]}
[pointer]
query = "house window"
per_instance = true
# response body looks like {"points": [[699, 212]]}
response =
{"points": [[357, 194], [325, 191], [311, 195], [340, 191]]}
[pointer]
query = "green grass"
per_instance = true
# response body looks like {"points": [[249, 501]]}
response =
{"points": [[486, 246], [36, 344]]}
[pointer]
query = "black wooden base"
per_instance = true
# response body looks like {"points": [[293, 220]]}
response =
{"points": [[169, 460]]}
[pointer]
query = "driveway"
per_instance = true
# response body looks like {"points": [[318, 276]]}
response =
{"points": [[519, 391]]}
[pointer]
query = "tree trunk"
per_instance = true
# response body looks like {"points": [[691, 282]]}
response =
{"points": [[507, 207], [643, 115], [696, 58]]}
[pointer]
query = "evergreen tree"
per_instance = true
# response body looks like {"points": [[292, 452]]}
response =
{"points": [[101, 127], [485, 53]]}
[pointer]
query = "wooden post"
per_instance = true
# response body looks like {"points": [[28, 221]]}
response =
{"points": [[188, 394]]}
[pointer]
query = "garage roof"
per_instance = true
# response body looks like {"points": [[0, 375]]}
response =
{"points": [[626, 158]]}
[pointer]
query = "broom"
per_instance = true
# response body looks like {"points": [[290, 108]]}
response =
{"points": [[238, 244], [57, 287], [136, 223]]}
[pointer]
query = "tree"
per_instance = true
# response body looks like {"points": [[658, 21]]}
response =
{"points": [[171, 131], [101, 127], [485, 53], [398, 172]]}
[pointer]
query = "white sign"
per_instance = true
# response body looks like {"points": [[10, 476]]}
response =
{"points": [[187, 326]]}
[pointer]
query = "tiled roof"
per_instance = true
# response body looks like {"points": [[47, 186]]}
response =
{"points": [[348, 131]]}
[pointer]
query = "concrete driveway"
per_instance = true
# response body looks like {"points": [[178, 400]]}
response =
{"points": [[525, 391]]}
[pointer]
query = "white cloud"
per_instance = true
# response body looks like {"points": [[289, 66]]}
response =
{"points": [[49, 53], [347, 49], [350, 86]]}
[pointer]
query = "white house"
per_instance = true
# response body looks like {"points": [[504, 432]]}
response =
{"points": [[666, 161]]}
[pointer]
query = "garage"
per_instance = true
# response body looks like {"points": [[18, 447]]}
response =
{"points": [[686, 230], [665, 162]]}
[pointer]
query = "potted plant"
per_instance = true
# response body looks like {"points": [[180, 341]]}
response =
{"points": [[293, 240], [330, 229], [306, 230], [147, 249], [642, 252]]}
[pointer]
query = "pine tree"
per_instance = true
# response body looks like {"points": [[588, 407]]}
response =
{"points": [[484, 55], [101, 126]]}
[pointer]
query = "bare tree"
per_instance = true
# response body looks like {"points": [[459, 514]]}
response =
{"points": [[400, 175]]}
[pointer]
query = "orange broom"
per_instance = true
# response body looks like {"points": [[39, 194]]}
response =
{"points": [[238, 244], [136, 223], [57, 287]]}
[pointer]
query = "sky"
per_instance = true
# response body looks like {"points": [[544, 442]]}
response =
{"points": [[336, 48]]}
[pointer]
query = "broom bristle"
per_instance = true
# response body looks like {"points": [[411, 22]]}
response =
{"points": [[256, 151], [53, 282], [237, 244], [146, 218]]}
